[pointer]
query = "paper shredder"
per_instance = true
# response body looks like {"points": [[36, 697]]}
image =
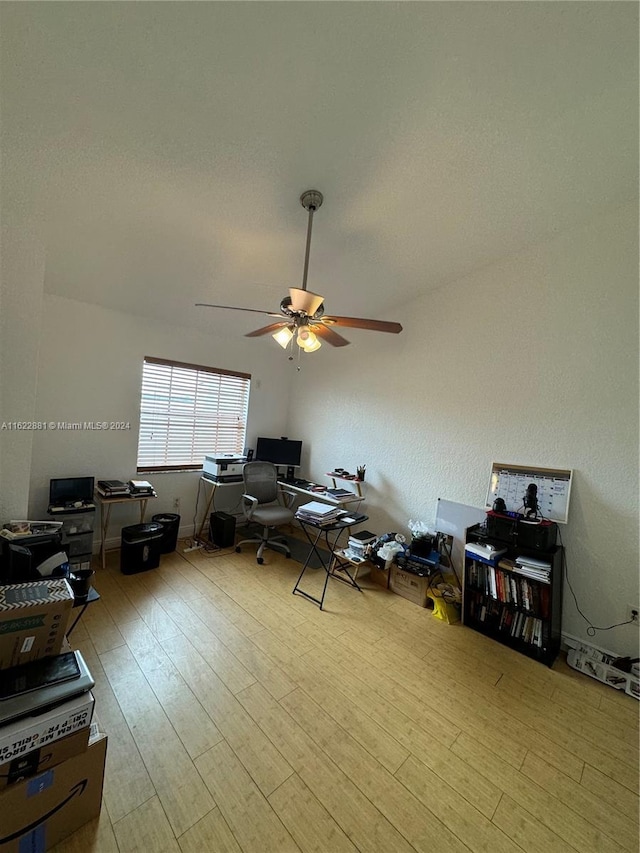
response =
{"points": [[170, 525], [140, 547]]}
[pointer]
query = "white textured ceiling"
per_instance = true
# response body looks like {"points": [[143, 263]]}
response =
{"points": [[168, 143]]}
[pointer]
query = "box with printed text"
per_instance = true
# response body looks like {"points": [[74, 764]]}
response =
{"points": [[38, 813], [33, 618], [20, 737]]}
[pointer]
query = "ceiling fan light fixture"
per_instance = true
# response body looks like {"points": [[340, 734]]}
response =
{"points": [[307, 340], [283, 336], [312, 346], [305, 300]]}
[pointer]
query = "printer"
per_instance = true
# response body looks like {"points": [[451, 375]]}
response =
{"points": [[224, 469]]}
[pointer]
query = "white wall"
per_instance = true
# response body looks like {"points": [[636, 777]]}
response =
{"points": [[531, 361], [90, 369]]}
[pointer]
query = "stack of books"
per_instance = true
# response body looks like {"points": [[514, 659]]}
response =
{"points": [[319, 513], [530, 567], [113, 489], [141, 489], [359, 543]]}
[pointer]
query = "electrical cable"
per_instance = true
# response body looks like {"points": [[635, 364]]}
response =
{"points": [[591, 628]]}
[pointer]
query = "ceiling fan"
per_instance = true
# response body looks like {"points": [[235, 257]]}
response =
{"points": [[302, 312]]}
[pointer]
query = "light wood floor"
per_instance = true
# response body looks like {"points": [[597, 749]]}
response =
{"points": [[241, 718]]}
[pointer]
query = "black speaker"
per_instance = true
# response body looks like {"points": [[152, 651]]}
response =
{"points": [[222, 529], [291, 472]]}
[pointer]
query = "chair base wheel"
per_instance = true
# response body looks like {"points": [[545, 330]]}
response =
{"points": [[260, 560], [238, 549], [288, 555]]}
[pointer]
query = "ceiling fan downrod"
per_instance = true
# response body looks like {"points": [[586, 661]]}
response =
{"points": [[311, 200]]}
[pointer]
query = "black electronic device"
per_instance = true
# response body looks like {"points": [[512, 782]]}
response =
{"points": [[279, 451], [222, 529], [530, 501], [67, 491], [33, 557], [38, 673], [49, 695]]}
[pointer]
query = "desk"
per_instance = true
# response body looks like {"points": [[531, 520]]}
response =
{"points": [[320, 496], [214, 487], [314, 533], [104, 516]]}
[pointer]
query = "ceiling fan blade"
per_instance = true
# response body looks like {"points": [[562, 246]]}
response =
{"points": [[265, 330], [328, 335], [234, 308], [361, 323]]}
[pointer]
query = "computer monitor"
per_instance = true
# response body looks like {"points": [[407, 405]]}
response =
{"points": [[280, 451], [70, 490]]}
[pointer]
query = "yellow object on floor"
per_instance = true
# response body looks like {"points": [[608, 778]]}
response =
{"points": [[446, 603]]}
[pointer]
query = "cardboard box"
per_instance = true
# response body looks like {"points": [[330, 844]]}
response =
{"points": [[22, 736], [41, 758], [33, 618], [38, 813], [409, 586]]}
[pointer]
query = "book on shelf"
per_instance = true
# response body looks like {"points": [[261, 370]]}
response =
{"points": [[339, 493]]}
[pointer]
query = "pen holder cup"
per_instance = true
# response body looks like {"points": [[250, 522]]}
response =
{"points": [[80, 581]]}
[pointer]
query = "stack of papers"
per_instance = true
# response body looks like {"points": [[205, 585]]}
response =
{"points": [[530, 567], [319, 513]]}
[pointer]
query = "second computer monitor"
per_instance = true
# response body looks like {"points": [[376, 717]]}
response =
{"points": [[280, 451]]}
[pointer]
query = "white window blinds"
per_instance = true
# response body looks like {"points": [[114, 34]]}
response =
{"points": [[188, 412]]}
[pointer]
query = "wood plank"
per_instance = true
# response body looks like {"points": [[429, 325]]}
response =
{"points": [[180, 789], [556, 816], [348, 715], [212, 833], [193, 725], [611, 792], [245, 809], [310, 824], [526, 831], [146, 828], [410, 817], [466, 822], [352, 811], [127, 784], [613, 822], [262, 760]]}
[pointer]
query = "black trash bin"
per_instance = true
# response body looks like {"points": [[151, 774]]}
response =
{"points": [[170, 526], [140, 547]]}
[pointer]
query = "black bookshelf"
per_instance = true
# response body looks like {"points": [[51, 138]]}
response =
{"points": [[518, 611]]}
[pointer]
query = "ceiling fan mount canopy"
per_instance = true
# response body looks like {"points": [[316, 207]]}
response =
{"points": [[304, 311], [311, 200]]}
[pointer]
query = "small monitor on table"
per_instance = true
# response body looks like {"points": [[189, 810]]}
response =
{"points": [[68, 490]]}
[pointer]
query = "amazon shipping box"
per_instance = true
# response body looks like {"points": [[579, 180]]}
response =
{"points": [[38, 813]]}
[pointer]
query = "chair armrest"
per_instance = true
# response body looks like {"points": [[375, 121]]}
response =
{"points": [[288, 497], [248, 510]]}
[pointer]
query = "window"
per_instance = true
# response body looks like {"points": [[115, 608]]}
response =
{"points": [[187, 412]]}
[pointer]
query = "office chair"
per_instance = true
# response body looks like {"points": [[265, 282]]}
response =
{"points": [[261, 505]]}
